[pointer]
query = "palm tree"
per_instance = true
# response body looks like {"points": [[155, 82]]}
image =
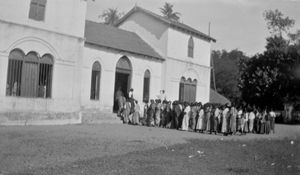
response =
{"points": [[111, 16], [167, 11]]}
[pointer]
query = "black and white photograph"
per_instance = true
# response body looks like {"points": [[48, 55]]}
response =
{"points": [[149, 87]]}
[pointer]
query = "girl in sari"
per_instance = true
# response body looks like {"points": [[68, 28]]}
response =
{"points": [[186, 117], [199, 126]]}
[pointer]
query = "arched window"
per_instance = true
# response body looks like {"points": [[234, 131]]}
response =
{"points": [[14, 73], [181, 89], [30, 75], [123, 65], [146, 92], [187, 90], [123, 75], [95, 81], [45, 78], [191, 47], [37, 10]]}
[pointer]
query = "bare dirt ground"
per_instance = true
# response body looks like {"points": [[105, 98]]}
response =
{"points": [[124, 149]]}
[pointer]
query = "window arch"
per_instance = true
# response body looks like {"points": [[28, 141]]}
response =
{"points": [[124, 65], [29, 83], [45, 78], [191, 47], [37, 10], [95, 81], [187, 89], [123, 75], [29, 75], [14, 72], [146, 92]]}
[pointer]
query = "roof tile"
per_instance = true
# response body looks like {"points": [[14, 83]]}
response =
{"points": [[112, 37]]}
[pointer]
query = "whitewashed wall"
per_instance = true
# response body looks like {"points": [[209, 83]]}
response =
{"points": [[151, 31], [66, 52], [61, 35], [178, 48], [172, 44], [108, 59], [62, 16], [177, 69]]}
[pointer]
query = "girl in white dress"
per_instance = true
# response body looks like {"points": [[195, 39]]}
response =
{"points": [[186, 118], [200, 120]]}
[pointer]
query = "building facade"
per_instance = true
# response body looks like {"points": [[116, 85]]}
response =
{"points": [[41, 49], [54, 64]]}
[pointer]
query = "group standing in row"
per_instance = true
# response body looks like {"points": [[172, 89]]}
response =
{"points": [[209, 118]]}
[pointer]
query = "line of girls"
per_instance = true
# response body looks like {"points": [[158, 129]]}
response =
{"points": [[208, 118]]}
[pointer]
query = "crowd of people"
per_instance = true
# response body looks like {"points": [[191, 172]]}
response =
{"points": [[227, 119]]}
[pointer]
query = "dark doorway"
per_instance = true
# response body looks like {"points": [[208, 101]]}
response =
{"points": [[122, 79]]}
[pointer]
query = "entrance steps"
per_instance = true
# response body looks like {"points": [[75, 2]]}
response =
{"points": [[99, 117]]}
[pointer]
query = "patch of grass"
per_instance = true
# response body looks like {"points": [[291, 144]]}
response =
{"points": [[195, 157]]}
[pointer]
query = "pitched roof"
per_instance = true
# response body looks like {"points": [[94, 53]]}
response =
{"points": [[215, 97], [115, 38], [171, 23]]}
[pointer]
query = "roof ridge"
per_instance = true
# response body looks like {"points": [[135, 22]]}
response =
{"points": [[165, 20]]}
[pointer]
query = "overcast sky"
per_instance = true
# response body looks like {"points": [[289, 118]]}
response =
{"points": [[234, 23]]}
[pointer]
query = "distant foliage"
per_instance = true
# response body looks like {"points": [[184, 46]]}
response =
{"points": [[295, 37], [167, 11], [277, 23], [272, 78], [111, 16], [226, 65]]}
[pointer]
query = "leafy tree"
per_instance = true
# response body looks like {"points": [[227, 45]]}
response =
{"points": [[111, 16], [226, 66], [277, 23], [167, 11], [295, 37], [271, 78]]}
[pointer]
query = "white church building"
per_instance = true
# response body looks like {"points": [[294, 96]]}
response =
{"points": [[56, 67]]}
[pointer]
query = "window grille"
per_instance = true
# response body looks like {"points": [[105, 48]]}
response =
{"points": [[95, 81], [146, 91], [187, 90], [30, 75], [191, 47]]}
